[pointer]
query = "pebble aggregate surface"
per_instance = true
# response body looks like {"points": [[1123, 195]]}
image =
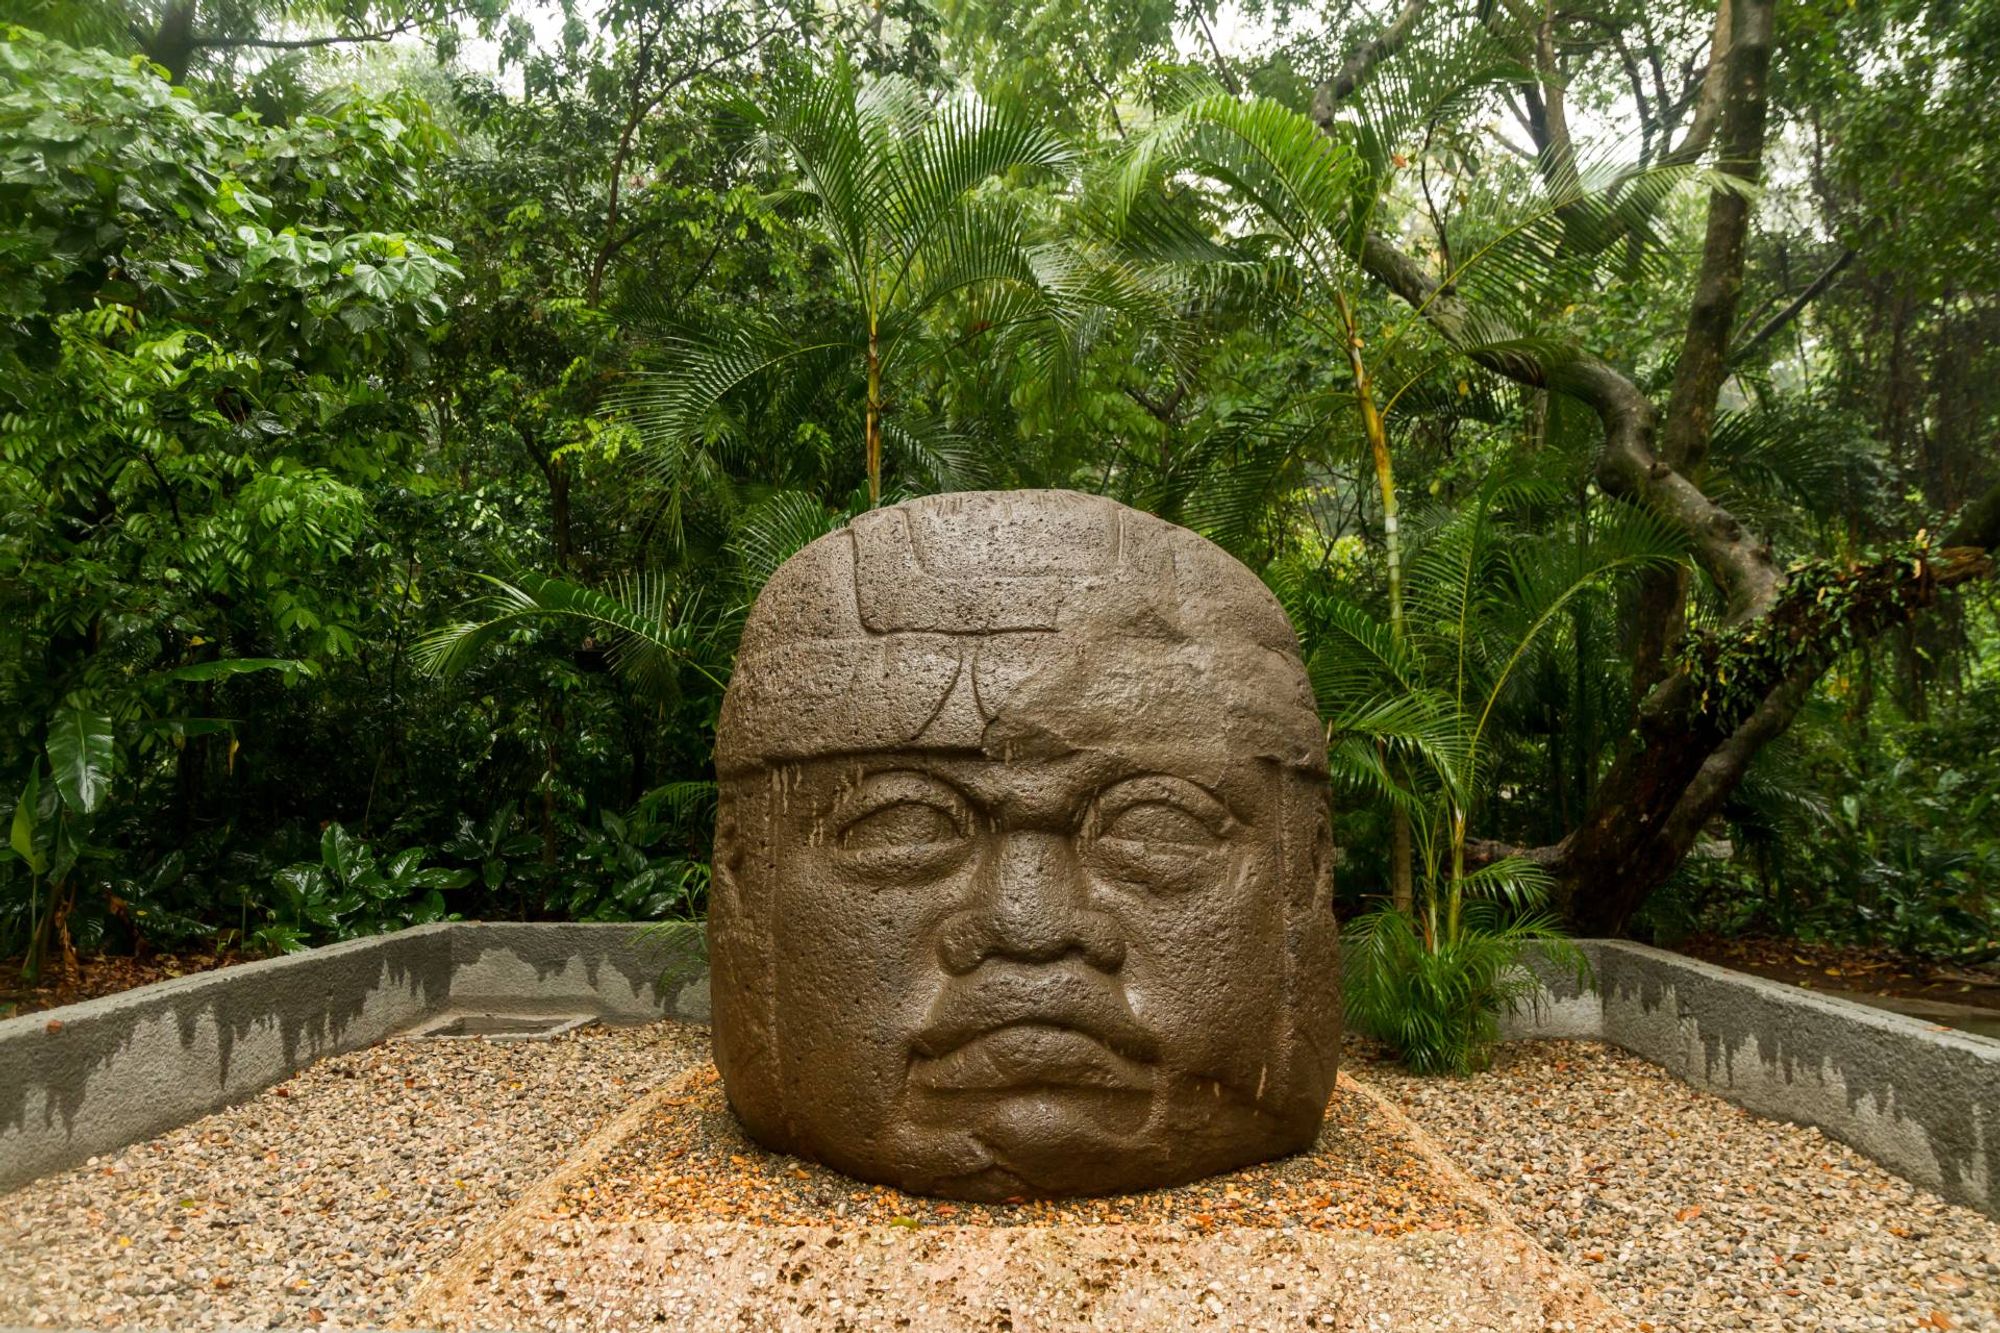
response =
{"points": [[672, 1217], [322, 1202], [1689, 1213], [690, 1161]]}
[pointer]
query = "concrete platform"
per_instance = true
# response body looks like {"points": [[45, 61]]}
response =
{"points": [[592, 1249]]}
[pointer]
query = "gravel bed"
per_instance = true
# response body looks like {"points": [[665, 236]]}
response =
{"points": [[324, 1200], [690, 1161], [1689, 1213]]}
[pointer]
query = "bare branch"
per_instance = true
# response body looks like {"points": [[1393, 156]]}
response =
{"points": [[1708, 104], [1090, 74], [1229, 79], [1329, 95], [1805, 298], [1521, 151], [221, 42]]}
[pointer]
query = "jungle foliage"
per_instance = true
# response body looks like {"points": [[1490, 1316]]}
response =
{"points": [[400, 405]]}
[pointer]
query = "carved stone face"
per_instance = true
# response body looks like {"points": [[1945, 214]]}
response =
{"points": [[1022, 866]]}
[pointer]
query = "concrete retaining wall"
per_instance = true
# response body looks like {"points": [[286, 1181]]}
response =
{"points": [[618, 971], [1920, 1099], [89, 1078]]}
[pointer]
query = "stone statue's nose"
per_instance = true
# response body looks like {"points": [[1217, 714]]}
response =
{"points": [[1030, 906]]}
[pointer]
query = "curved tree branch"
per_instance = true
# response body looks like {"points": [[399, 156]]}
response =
{"points": [[1708, 102], [226, 42], [1978, 524], [1367, 56], [1776, 324], [1627, 466]]}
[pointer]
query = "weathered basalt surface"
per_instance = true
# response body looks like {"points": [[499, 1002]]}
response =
{"points": [[1022, 880]]}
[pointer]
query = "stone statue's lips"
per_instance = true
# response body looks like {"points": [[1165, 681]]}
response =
{"points": [[1031, 1055], [1065, 1034]]}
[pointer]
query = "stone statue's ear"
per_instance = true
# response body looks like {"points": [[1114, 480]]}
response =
{"points": [[740, 945], [1312, 942]]}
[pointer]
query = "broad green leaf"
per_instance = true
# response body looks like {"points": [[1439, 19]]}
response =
{"points": [[81, 755], [345, 856], [22, 839], [403, 865], [301, 884], [236, 666]]}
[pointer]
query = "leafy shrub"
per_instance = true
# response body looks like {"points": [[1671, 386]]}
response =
{"points": [[1432, 986], [351, 891]]}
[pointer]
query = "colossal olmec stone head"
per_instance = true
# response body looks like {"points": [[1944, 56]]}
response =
{"points": [[1022, 866]]}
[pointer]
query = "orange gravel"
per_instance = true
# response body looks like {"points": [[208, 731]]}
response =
{"points": [[691, 1162]]}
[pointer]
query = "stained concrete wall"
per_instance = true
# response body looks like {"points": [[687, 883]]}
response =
{"points": [[618, 971], [1564, 1007], [1922, 1100], [91, 1077]]}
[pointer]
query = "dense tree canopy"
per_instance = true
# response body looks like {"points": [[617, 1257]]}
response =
{"points": [[400, 404]]}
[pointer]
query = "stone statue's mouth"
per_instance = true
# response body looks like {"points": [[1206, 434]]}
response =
{"points": [[1028, 1055]]}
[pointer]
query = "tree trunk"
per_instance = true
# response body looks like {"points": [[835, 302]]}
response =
{"points": [[872, 428], [172, 43], [1690, 750]]}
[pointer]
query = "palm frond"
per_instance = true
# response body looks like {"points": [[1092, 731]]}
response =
{"points": [[674, 401], [690, 802], [775, 529], [1273, 162], [966, 143], [931, 451], [1519, 258], [1442, 75], [651, 623], [1356, 655]]}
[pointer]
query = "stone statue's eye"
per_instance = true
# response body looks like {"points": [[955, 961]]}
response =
{"points": [[900, 824], [1158, 822], [1159, 833]]}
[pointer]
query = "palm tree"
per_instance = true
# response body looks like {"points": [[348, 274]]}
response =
{"points": [[933, 249], [1492, 584], [907, 197]]}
